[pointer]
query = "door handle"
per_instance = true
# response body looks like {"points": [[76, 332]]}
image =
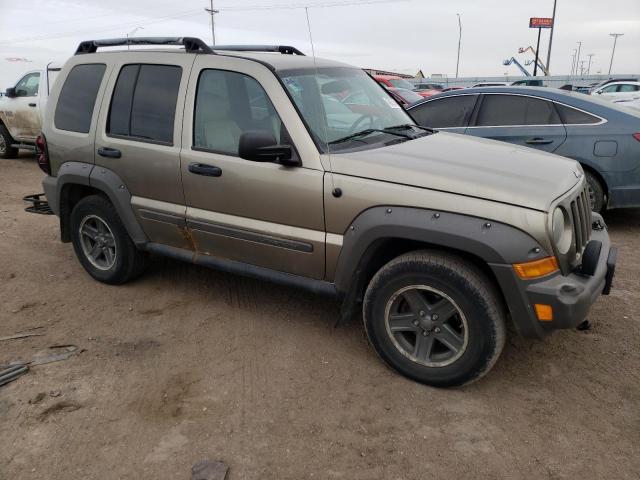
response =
{"points": [[32, 105], [538, 141], [109, 152], [206, 170]]}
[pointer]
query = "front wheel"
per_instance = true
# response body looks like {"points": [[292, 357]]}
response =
{"points": [[596, 193], [435, 318]]}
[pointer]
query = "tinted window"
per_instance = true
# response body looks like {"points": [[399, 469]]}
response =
{"points": [[571, 116], [445, 112], [28, 85], [609, 89], [628, 88], [144, 102], [505, 110], [78, 98], [227, 105]]}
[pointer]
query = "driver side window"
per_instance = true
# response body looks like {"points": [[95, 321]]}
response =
{"points": [[229, 104], [28, 85]]}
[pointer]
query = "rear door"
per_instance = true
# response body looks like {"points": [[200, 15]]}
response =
{"points": [[139, 138], [520, 119], [450, 113]]}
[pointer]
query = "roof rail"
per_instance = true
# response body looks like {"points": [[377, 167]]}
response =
{"points": [[191, 44], [284, 49]]}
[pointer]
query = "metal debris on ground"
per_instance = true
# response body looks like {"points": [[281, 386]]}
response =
{"points": [[586, 325], [44, 356], [9, 374], [21, 335], [208, 470]]}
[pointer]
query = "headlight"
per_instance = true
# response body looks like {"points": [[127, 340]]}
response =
{"points": [[562, 231]]}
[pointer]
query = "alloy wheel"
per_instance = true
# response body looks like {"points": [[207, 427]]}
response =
{"points": [[426, 326], [98, 243]]}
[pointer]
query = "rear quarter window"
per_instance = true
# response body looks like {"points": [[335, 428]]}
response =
{"points": [[77, 99], [571, 116]]}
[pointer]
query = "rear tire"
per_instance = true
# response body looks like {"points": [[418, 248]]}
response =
{"points": [[435, 318], [596, 193], [102, 244], [6, 150]]}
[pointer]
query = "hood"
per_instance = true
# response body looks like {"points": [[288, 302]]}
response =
{"points": [[469, 166]]}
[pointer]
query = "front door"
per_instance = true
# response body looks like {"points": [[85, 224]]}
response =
{"points": [[520, 119], [22, 111], [262, 214]]}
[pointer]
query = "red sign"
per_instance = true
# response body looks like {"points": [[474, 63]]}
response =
{"points": [[537, 22]]}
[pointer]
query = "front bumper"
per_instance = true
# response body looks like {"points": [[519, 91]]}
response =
{"points": [[570, 296]]}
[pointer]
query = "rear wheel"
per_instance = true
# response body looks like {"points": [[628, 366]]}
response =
{"points": [[6, 150], [102, 244], [435, 318], [596, 193]]}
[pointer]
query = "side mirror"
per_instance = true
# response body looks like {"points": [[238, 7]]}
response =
{"points": [[261, 146], [11, 93]]}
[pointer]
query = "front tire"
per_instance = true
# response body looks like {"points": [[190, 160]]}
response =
{"points": [[6, 150], [102, 244], [435, 318]]}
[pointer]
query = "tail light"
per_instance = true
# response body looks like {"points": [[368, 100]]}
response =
{"points": [[43, 154], [636, 136]]}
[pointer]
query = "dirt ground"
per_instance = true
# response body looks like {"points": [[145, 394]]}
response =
{"points": [[188, 364]]}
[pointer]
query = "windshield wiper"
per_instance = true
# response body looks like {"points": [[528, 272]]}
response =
{"points": [[410, 125], [369, 131]]}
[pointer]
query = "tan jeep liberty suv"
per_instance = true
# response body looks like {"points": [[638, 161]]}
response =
{"points": [[261, 161]]}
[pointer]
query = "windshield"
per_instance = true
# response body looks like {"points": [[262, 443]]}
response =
{"points": [[401, 83], [339, 102]]}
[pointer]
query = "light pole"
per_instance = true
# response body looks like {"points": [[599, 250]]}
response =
{"points": [[591, 55], [578, 57], [212, 12], [553, 26], [459, 43], [130, 34], [615, 40], [573, 61]]}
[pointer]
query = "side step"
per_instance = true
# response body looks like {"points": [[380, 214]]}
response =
{"points": [[38, 205], [24, 146]]}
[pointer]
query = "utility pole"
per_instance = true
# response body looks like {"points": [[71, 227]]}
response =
{"points": [[459, 43], [212, 12], [573, 61], [615, 40], [582, 67], [535, 66], [591, 55], [553, 26], [578, 57]]}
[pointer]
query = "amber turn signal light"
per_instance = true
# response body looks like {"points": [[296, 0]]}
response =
{"points": [[536, 268], [544, 312]]}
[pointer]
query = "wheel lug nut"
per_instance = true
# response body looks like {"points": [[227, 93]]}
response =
{"points": [[434, 316], [425, 333], [422, 313], [437, 330], [416, 322]]}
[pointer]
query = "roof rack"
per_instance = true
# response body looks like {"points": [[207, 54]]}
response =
{"points": [[190, 44], [284, 49]]}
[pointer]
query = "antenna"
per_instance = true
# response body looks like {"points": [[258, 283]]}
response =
{"points": [[336, 192]]}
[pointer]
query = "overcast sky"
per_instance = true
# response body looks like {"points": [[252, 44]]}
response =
{"points": [[394, 35]]}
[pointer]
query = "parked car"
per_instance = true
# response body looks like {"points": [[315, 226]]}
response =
{"points": [[226, 158], [405, 97], [450, 89], [489, 84], [427, 86], [603, 137], [598, 85], [392, 81], [21, 111], [626, 93], [528, 82]]}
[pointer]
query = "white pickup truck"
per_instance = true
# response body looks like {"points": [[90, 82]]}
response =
{"points": [[22, 108]]}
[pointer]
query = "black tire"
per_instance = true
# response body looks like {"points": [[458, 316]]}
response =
{"points": [[126, 261], [469, 291], [596, 193], [6, 150]]}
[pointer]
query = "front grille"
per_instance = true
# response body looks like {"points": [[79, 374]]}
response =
{"points": [[577, 205], [581, 219]]}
